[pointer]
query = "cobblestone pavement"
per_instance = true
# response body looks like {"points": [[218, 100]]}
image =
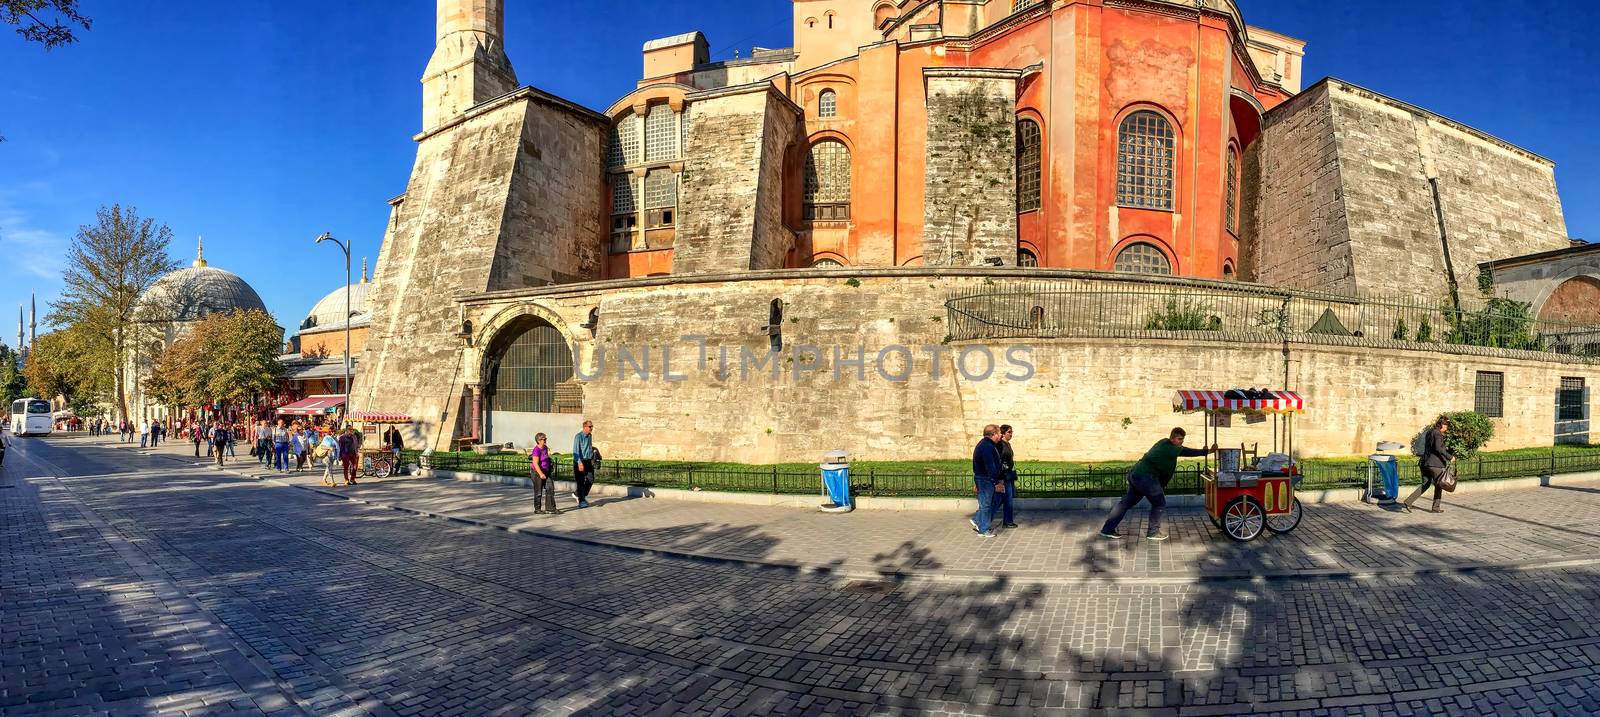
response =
{"points": [[135, 583]]}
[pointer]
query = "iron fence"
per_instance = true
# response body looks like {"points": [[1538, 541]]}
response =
{"points": [[1099, 481], [1088, 308]]}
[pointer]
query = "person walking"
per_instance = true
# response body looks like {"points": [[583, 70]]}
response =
{"points": [[328, 450], [263, 439], [986, 474], [584, 462], [219, 441], [348, 455], [156, 433], [1148, 481], [280, 447], [197, 437], [144, 433], [542, 468], [1436, 459], [1005, 501]]}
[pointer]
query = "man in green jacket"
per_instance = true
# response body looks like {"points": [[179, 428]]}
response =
{"points": [[1148, 480]]}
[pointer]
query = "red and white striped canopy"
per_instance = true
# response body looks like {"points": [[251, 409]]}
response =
{"points": [[1191, 400], [377, 417]]}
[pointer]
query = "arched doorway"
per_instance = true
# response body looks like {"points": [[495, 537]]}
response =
{"points": [[528, 385], [1574, 301]]}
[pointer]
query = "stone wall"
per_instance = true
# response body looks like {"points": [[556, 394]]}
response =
{"points": [[1343, 164], [731, 196], [970, 184], [506, 196], [712, 398]]}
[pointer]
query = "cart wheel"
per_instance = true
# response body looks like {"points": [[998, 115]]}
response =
{"points": [[383, 468], [1243, 519], [1287, 521]]}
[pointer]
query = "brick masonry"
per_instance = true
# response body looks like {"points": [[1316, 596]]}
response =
{"points": [[970, 186]]}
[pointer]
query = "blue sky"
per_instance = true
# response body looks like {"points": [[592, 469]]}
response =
{"points": [[263, 123]]}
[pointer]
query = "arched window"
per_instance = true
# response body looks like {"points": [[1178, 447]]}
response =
{"points": [[826, 264], [625, 144], [1145, 143], [1233, 189], [1142, 258], [827, 181], [827, 104], [526, 367], [1026, 258], [1027, 165], [1227, 271]]}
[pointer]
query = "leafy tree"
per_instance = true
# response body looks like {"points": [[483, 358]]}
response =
{"points": [[223, 357], [13, 385], [48, 22], [49, 371], [109, 266]]}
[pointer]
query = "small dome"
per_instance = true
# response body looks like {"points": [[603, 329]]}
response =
{"points": [[331, 309]]}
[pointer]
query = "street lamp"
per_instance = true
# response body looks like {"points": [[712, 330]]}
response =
{"points": [[344, 245]]}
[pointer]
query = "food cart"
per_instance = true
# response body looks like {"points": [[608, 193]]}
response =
{"points": [[377, 461], [1245, 499]]}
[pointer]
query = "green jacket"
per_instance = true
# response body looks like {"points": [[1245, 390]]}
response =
{"points": [[1161, 461]]}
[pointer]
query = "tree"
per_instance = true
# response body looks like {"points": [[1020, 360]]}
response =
{"points": [[223, 357], [13, 385], [48, 369], [109, 266], [47, 22]]}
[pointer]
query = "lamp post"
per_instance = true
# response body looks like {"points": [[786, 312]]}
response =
{"points": [[345, 246]]}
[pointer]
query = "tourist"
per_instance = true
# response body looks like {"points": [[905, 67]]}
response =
{"points": [[280, 446], [1436, 459], [1148, 481], [300, 442], [197, 437], [328, 451], [144, 433], [986, 474], [1006, 501], [349, 455], [263, 437], [219, 441], [542, 467], [585, 460], [155, 434]]}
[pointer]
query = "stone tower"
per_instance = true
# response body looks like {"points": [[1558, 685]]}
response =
{"points": [[469, 63]]}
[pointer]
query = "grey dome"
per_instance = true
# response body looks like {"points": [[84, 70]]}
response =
{"points": [[331, 309], [197, 292]]}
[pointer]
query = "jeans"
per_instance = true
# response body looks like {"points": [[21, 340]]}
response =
{"points": [[985, 502], [280, 456], [144, 440], [1140, 487], [264, 451], [1006, 503]]}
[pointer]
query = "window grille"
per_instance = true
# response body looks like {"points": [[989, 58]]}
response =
{"points": [[1028, 165], [1570, 403], [1142, 258], [1017, 5], [660, 134], [826, 264], [526, 374], [660, 189], [683, 133], [827, 181], [624, 149], [1233, 190], [1026, 258], [1488, 395], [1145, 161], [827, 104], [624, 194]]}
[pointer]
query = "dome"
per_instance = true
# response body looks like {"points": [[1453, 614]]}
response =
{"points": [[331, 309], [199, 291]]}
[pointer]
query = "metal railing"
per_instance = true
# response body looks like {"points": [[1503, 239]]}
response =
{"points": [[1088, 308], [1099, 481]]}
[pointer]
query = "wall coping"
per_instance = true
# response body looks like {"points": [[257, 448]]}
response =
{"points": [[526, 92]]}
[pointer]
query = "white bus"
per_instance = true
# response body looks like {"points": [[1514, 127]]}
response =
{"points": [[31, 417]]}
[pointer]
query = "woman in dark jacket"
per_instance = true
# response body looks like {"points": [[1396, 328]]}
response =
{"points": [[1435, 460]]}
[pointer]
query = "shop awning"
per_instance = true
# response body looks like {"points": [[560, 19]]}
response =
{"points": [[312, 406], [1236, 401], [379, 417]]}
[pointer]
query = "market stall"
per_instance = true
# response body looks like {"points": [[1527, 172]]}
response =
{"points": [[1247, 493], [377, 460]]}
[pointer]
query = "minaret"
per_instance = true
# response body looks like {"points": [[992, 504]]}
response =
{"points": [[20, 346], [200, 252], [469, 63], [33, 323], [363, 270]]}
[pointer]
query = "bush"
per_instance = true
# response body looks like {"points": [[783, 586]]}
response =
{"points": [[1400, 333], [1469, 432], [1183, 316]]}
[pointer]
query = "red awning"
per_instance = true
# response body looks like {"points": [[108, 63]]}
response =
{"points": [[378, 417], [313, 406], [1190, 400]]}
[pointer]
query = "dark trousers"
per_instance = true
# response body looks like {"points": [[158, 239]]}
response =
{"points": [[196, 449], [1430, 477], [583, 476], [263, 451], [217, 449], [350, 464], [544, 493], [985, 502], [1140, 487], [1005, 503]]}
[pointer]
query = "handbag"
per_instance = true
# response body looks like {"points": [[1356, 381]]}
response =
{"points": [[1447, 481]]}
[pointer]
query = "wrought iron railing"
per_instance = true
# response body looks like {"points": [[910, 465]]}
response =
{"points": [[1106, 480], [1089, 308]]}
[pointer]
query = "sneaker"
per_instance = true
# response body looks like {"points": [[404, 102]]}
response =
{"points": [[1158, 537], [989, 534], [974, 525], [1010, 525], [1112, 536], [583, 504]]}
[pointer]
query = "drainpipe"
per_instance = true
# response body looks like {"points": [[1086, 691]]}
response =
{"points": [[1444, 239]]}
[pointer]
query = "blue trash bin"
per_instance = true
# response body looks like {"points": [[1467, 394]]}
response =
{"points": [[1387, 475], [836, 482]]}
